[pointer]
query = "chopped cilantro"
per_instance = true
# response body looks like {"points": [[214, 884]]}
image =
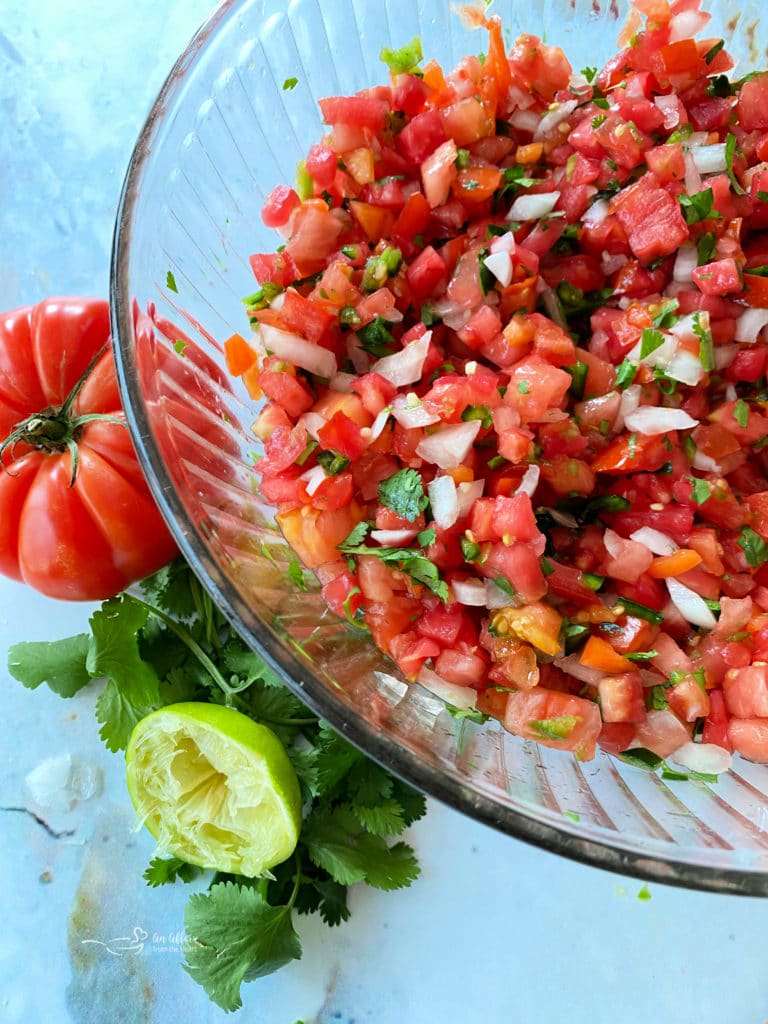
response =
{"points": [[730, 153], [700, 489], [665, 317], [706, 344], [290, 83], [705, 248], [650, 340], [469, 549], [754, 547], [699, 206], [625, 374], [403, 493], [170, 282], [641, 655]]}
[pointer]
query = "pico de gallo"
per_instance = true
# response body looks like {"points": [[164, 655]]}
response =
{"points": [[513, 353]]}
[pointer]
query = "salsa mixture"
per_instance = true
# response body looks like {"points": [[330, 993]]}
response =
{"points": [[514, 355]]}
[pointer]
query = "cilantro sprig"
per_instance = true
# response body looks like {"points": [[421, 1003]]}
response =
{"points": [[168, 643]]}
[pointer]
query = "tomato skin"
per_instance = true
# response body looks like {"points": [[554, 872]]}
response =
{"points": [[89, 539]]}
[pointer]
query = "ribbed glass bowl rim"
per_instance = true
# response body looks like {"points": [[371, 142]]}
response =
{"points": [[562, 841]]}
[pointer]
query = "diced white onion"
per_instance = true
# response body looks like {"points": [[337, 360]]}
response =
{"points": [[297, 350], [467, 494], [724, 355], [685, 367], [564, 518], [692, 176], [750, 324], [614, 544], [670, 108], [450, 445], [313, 478], [530, 481], [495, 597], [393, 538], [596, 213], [453, 314], [500, 265], [378, 425], [551, 303], [706, 463], [279, 299], [573, 667], [656, 541], [707, 758], [462, 697], [610, 263], [730, 393], [553, 117], [686, 261], [444, 501], [531, 207], [687, 24], [409, 411], [659, 356], [691, 606], [520, 98], [405, 366], [653, 419], [524, 120], [630, 400], [709, 159], [312, 423], [503, 243], [357, 354], [342, 382], [469, 592]]}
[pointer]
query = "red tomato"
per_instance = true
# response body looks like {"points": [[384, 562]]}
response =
{"points": [[77, 520]]}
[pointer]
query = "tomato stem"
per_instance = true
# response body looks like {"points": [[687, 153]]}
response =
{"points": [[53, 430]]}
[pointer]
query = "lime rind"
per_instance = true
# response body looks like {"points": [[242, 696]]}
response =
{"points": [[214, 788]]}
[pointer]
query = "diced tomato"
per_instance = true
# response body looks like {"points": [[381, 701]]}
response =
{"points": [[555, 720], [360, 111], [278, 205], [652, 220]]}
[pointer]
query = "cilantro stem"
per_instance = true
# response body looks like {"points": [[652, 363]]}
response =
{"points": [[189, 641]]}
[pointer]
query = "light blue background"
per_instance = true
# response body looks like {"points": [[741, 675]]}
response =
{"points": [[493, 931]]}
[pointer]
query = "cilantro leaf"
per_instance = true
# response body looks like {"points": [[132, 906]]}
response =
{"points": [[336, 841], [699, 206], [170, 282], [60, 663], [296, 574], [118, 715], [730, 153], [700, 489], [165, 870], [114, 650], [290, 83], [384, 818], [754, 547], [236, 935], [650, 340], [332, 906], [403, 493]]}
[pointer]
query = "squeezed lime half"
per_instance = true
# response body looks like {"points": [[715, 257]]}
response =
{"points": [[215, 788]]}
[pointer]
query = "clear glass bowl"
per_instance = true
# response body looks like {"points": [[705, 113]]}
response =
{"points": [[221, 134]]}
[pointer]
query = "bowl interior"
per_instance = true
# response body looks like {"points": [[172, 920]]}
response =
{"points": [[222, 133]]}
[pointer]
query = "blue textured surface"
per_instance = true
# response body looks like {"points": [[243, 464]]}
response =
{"points": [[494, 931]]}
